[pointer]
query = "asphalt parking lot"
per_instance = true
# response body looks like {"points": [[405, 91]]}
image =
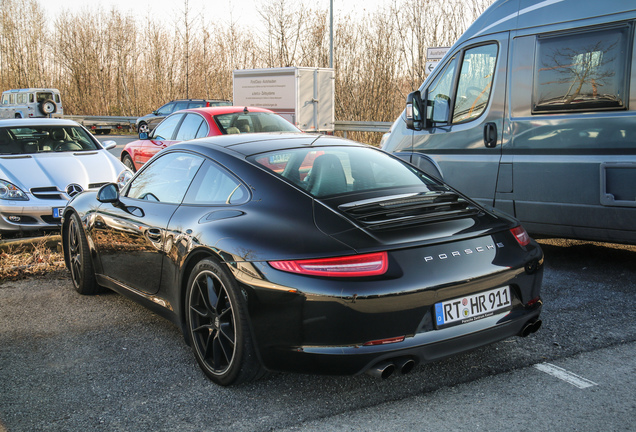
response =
{"points": [[75, 363]]}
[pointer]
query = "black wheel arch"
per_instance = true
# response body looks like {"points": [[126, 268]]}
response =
{"points": [[190, 262], [66, 218], [195, 257]]}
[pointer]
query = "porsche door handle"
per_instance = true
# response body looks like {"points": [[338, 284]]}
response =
{"points": [[490, 135]]}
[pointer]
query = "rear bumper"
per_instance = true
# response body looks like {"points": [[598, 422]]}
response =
{"points": [[422, 348], [326, 325]]}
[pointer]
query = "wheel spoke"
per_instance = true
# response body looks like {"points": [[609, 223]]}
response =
{"points": [[201, 311], [213, 298]]}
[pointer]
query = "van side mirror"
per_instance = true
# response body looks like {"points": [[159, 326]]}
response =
{"points": [[414, 118]]}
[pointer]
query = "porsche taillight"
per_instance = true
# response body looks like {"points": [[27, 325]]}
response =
{"points": [[521, 235], [372, 264]]}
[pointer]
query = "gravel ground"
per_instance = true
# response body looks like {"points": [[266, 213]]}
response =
{"points": [[76, 363]]}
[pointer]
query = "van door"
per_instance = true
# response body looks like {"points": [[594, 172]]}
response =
{"points": [[465, 109]]}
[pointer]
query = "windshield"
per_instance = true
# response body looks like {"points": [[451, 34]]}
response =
{"points": [[324, 171], [44, 139], [242, 122]]}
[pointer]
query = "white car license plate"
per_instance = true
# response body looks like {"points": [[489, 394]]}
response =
{"points": [[463, 310], [57, 212]]}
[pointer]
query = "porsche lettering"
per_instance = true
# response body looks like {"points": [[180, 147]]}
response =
{"points": [[469, 251]]}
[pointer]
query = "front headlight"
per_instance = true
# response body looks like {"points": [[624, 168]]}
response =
{"points": [[9, 191], [123, 178]]}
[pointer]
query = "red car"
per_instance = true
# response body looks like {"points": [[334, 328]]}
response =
{"points": [[198, 123]]}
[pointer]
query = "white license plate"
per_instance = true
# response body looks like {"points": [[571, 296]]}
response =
{"points": [[57, 212], [463, 310]]}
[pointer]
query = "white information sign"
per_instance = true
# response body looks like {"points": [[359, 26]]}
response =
{"points": [[273, 92], [436, 53]]}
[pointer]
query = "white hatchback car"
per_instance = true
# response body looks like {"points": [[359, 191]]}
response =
{"points": [[45, 162]]}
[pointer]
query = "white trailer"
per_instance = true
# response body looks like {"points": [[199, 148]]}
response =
{"points": [[302, 95]]}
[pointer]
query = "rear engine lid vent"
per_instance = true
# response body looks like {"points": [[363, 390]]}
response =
{"points": [[409, 209]]}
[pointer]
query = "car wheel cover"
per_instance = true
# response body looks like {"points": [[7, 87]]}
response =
{"points": [[75, 252], [143, 128], [212, 324], [129, 164], [48, 107]]}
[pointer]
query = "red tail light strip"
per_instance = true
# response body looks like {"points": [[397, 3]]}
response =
{"points": [[372, 264]]}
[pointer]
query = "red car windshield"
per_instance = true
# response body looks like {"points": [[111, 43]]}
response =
{"points": [[247, 122]]}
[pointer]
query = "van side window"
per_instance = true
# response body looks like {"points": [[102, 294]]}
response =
{"points": [[475, 82], [582, 71], [439, 94]]}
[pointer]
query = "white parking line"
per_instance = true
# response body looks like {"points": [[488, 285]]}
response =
{"points": [[565, 375]]}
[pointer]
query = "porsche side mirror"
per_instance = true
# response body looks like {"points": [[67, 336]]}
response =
{"points": [[108, 193]]}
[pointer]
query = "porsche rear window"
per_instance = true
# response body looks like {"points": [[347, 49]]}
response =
{"points": [[326, 171]]}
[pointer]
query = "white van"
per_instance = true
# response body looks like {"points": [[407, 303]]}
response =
{"points": [[31, 102], [533, 111]]}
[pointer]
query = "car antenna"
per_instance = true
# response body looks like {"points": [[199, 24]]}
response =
{"points": [[245, 110]]}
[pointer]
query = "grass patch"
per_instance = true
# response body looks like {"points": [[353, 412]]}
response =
{"points": [[32, 257]]}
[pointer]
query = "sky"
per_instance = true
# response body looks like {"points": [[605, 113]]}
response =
{"points": [[222, 11]]}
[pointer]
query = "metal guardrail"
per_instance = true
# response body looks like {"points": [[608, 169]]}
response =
{"points": [[121, 121], [362, 126]]}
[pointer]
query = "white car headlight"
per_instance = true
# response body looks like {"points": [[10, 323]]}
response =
{"points": [[123, 178], [9, 191]]}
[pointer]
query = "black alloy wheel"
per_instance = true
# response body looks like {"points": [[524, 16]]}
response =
{"points": [[217, 326], [80, 264]]}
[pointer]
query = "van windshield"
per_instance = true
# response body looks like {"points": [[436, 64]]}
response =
{"points": [[44, 139]]}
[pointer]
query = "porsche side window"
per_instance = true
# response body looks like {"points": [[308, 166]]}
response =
{"points": [[216, 186], [166, 179], [166, 128], [475, 82]]}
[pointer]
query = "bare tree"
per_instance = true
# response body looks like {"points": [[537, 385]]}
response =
{"points": [[284, 22]]}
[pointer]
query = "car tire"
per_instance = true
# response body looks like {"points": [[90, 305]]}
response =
{"points": [[79, 260], [127, 160], [143, 128], [218, 327], [48, 106], [18, 116]]}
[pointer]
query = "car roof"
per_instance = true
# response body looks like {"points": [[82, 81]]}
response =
{"points": [[37, 122], [198, 100], [226, 109], [251, 144]]}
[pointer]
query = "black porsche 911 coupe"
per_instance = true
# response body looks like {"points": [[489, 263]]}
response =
{"points": [[305, 253]]}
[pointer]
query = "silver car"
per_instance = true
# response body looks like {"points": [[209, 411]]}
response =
{"points": [[45, 162]]}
